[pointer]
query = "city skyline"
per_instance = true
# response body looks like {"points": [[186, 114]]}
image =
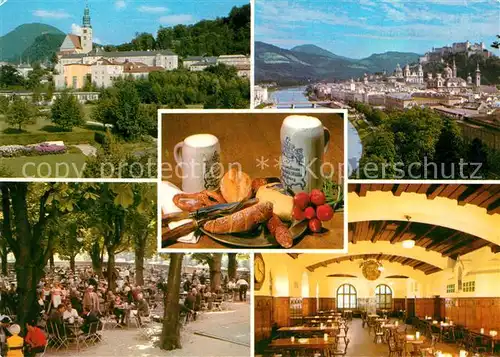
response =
{"points": [[114, 22], [363, 27]]}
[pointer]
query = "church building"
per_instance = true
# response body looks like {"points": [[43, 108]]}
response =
{"points": [[74, 44]]}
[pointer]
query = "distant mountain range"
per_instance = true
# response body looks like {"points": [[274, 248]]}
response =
{"points": [[307, 63], [41, 38]]}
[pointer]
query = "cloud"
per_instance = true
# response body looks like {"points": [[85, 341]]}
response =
{"points": [[76, 29], [152, 9], [97, 40], [120, 4], [58, 14], [177, 19]]}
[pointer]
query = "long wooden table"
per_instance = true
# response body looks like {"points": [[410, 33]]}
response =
{"points": [[315, 343], [486, 335], [306, 330], [243, 138]]}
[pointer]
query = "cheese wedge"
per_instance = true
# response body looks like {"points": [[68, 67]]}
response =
{"points": [[282, 203]]}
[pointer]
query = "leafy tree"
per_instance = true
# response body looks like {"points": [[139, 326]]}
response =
{"points": [[4, 104], [142, 228], [120, 162], [214, 261], [416, 132], [9, 76], [477, 153], [20, 112], [32, 208], [379, 156], [143, 42], [449, 150], [67, 112], [71, 233], [34, 77]]}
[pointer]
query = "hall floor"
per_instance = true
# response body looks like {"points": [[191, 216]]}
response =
{"points": [[362, 344]]}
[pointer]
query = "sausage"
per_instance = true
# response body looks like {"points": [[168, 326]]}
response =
{"points": [[280, 231], [241, 221]]}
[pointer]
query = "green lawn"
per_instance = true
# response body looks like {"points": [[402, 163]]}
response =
{"points": [[68, 165]]}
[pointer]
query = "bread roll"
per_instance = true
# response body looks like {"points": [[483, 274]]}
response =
{"points": [[236, 186]]}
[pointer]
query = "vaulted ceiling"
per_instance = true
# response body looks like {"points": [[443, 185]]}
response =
{"points": [[486, 196], [447, 241], [414, 263]]}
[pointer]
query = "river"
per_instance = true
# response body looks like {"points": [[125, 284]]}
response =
{"points": [[296, 95]]}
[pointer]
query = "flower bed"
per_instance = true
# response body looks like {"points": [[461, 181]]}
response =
{"points": [[32, 150]]}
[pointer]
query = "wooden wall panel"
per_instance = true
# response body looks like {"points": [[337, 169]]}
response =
{"points": [[263, 317], [474, 312], [425, 307], [281, 311], [308, 306], [327, 304], [398, 304]]}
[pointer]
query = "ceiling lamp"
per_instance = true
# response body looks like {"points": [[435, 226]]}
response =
{"points": [[409, 243]]}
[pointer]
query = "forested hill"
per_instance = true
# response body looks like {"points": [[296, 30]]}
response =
{"points": [[225, 35], [14, 43]]}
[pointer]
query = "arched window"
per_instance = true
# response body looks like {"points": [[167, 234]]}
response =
{"points": [[347, 297], [383, 296]]}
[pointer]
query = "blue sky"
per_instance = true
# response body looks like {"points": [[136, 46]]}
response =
{"points": [[358, 28], [113, 21]]}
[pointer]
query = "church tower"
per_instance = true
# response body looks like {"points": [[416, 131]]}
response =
{"points": [[86, 38], [454, 69], [478, 76]]}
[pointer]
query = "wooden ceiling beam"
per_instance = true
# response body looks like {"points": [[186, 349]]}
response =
{"points": [[437, 242], [434, 191], [397, 190], [472, 192], [363, 188], [494, 208]]}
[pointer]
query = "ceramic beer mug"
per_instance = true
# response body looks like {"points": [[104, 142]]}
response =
{"points": [[199, 157], [304, 140]]}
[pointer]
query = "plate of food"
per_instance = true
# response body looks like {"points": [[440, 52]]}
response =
{"points": [[258, 213]]}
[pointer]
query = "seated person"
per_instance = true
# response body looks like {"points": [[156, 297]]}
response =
{"points": [[15, 343], [56, 320], [5, 322], [70, 313], [119, 310], [35, 340], [89, 317]]}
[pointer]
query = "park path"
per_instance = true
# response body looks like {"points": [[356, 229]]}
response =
{"points": [[87, 150], [233, 324]]}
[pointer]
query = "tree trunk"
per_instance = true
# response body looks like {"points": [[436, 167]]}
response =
{"points": [[232, 265], [72, 263], [170, 336], [6, 228], [5, 264], [29, 263], [215, 271], [95, 256], [52, 264], [111, 270], [140, 249]]}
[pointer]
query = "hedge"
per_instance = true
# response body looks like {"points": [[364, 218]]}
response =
{"points": [[27, 139]]}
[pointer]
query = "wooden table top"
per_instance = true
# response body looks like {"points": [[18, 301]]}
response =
{"points": [[414, 341], [307, 329], [322, 317], [243, 138], [312, 343], [486, 333]]}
